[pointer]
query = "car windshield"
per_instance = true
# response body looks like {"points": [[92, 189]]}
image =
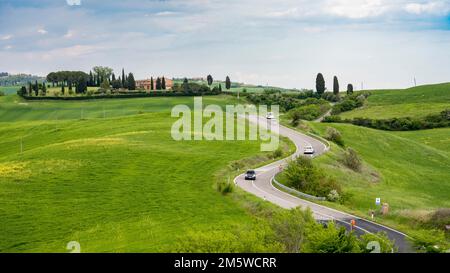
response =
{"points": [[251, 172]]}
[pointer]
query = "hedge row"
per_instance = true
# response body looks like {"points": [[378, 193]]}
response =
{"points": [[398, 124], [120, 96]]}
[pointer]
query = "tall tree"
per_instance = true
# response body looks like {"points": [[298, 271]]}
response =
{"points": [[81, 85], [210, 80], [350, 89], [44, 89], [30, 89], [103, 71], [131, 82], [335, 86], [63, 89], [105, 85], [91, 79], [220, 87], [228, 83], [23, 91], [123, 78], [186, 85], [152, 84], [163, 83], [36, 88], [320, 84], [113, 77], [158, 84]]}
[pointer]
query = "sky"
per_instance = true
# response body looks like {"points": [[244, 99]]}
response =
{"points": [[370, 43]]}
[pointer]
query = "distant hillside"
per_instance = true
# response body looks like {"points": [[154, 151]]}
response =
{"points": [[419, 101], [20, 79]]}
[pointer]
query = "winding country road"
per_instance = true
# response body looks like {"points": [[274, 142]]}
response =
{"points": [[264, 189]]}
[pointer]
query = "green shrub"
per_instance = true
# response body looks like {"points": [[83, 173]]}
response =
{"points": [[257, 238], [330, 239], [225, 187], [277, 153], [290, 228], [351, 159], [2, 93], [332, 134], [333, 196], [381, 240], [302, 175], [332, 119], [428, 241]]}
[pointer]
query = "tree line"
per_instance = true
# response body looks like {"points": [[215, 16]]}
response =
{"points": [[321, 88]]}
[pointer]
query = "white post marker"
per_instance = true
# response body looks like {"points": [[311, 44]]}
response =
{"points": [[378, 201]]}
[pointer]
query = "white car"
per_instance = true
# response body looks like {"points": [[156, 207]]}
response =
{"points": [[309, 150], [270, 115]]}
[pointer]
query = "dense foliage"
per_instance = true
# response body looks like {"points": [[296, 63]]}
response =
{"points": [[288, 231], [350, 102], [440, 120], [309, 109], [304, 176]]}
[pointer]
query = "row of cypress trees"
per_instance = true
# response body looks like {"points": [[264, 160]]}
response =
{"points": [[320, 85]]}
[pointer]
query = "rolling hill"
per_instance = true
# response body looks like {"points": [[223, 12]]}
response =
{"points": [[413, 102]]}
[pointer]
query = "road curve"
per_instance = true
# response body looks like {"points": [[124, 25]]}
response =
{"points": [[264, 189]]}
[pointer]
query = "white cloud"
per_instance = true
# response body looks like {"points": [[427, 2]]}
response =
{"points": [[433, 8], [42, 31], [164, 13], [357, 9], [6, 37], [8, 47], [73, 2]]}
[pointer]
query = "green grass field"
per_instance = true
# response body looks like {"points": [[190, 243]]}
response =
{"points": [[414, 102], [114, 184], [408, 170]]}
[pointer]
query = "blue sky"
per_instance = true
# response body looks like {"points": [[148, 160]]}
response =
{"points": [[382, 43]]}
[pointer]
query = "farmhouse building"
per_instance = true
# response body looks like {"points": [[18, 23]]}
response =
{"points": [[147, 83]]}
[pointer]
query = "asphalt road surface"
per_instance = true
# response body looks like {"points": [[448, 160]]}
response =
{"points": [[263, 188]]}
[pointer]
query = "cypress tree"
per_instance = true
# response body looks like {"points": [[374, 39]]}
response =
{"points": [[335, 86], [91, 79], [158, 84], [186, 85], [220, 87], [63, 89], [152, 87], [30, 89], [44, 89], [349, 89], [131, 82], [210, 80], [36, 88], [163, 84], [320, 84], [123, 78], [228, 83]]}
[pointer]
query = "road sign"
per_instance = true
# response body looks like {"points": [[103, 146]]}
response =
{"points": [[378, 201]]}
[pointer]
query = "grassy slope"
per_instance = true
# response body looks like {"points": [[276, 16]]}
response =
{"points": [[414, 102], [115, 184], [412, 171]]}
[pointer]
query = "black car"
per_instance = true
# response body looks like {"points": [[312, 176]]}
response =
{"points": [[250, 175]]}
